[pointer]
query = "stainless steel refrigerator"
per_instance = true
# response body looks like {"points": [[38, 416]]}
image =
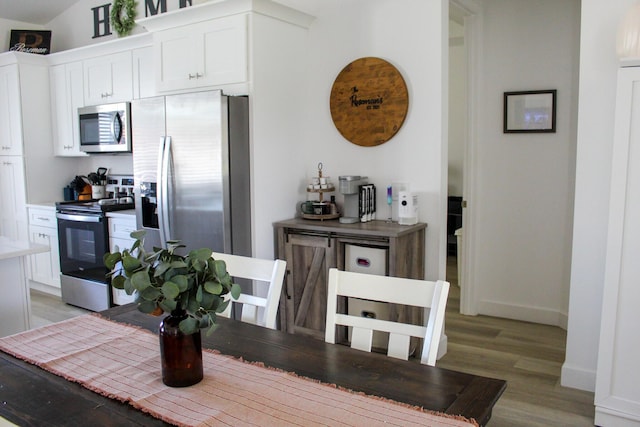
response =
{"points": [[191, 170]]}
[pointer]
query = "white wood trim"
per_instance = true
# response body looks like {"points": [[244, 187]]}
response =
{"points": [[219, 9]]}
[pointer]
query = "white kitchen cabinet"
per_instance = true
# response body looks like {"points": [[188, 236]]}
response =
{"points": [[121, 225], [617, 395], [13, 209], [43, 229], [108, 79], [35, 176], [15, 304], [209, 53], [10, 116], [144, 73], [67, 95]]}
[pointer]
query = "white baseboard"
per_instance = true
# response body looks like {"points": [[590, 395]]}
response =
{"points": [[41, 287], [611, 417], [576, 377], [524, 313]]}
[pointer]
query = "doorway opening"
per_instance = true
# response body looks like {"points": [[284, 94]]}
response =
{"points": [[463, 69]]}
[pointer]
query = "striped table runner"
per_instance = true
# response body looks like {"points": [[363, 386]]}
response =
{"points": [[123, 362]]}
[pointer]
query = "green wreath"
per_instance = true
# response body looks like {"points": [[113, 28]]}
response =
{"points": [[123, 24]]}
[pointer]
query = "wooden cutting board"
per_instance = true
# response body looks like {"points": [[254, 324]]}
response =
{"points": [[369, 101]]}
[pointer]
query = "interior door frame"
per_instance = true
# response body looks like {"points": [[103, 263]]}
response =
{"points": [[473, 42]]}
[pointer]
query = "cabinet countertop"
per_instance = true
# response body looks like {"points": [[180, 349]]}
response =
{"points": [[373, 228], [42, 205], [17, 248], [129, 213]]}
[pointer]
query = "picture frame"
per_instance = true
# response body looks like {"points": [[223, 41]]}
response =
{"points": [[30, 41], [531, 111]]}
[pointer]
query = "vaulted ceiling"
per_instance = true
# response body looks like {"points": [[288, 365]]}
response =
{"points": [[37, 12]]}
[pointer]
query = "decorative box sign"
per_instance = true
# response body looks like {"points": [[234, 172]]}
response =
{"points": [[30, 41], [369, 101]]}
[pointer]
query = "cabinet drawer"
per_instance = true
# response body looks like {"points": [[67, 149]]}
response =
{"points": [[43, 217], [122, 228]]}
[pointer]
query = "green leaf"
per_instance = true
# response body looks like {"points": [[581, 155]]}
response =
{"points": [[140, 280], [202, 254], [130, 263], [161, 269], [220, 267], [178, 263], [146, 306], [182, 282], [192, 304], [168, 305], [217, 300], [189, 326], [213, 287], [223, 306], [236, 290], [226, 281], [138, 234], [111, 259], [128, 287], [207, 301], [118, 282], [212, 328], [205, 321], [150, 293], [170, 290]]}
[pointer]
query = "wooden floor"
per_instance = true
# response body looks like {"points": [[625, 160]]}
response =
{"points": [[528, 356]]}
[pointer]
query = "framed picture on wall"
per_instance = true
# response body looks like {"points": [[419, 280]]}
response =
{"points": [[530, 111]]}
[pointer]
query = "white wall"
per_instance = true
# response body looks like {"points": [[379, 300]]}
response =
{"points": [[524, 182], [414, 39], [457, 107], [74, 28], [598, 69]]}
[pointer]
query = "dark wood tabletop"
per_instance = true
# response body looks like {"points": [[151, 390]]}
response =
{"points": [[30, 396]]}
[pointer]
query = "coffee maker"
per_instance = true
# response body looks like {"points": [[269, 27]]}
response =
{"points": [[349, 186]]}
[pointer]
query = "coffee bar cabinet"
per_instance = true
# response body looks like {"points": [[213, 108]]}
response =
{"points": [[311, 248]]}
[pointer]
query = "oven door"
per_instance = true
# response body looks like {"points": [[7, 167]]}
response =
{"points": [[83, 242]]}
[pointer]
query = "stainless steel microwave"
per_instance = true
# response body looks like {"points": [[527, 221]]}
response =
{"points": [[105, 128]]}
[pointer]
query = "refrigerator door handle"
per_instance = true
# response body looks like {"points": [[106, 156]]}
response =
{"points": [[163, 189]]}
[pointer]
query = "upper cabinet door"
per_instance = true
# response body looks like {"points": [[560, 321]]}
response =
{"points": [[210, 53], [224, 59], [108, 79], [144, 75], [10, 113], [67, 95]]}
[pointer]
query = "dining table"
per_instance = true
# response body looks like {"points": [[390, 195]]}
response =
{"points": [[32, 396]]}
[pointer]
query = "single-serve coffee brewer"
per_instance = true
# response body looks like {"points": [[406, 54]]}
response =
{"points": [[349, 186]]}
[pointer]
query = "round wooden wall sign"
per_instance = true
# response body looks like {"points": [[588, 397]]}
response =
{"points": [[369, 101]]}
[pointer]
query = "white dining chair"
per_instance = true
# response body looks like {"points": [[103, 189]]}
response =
{"points": [[385, 289], [263, 272]]}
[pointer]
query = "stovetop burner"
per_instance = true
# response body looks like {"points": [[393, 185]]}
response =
{"points": [[93, 205]]}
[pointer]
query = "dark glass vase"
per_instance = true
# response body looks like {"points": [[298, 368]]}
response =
{"points": [[181, 354]]}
